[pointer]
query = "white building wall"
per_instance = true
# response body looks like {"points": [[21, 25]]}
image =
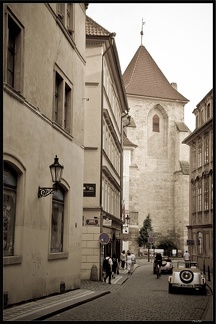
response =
{"points": [[157, 158]]}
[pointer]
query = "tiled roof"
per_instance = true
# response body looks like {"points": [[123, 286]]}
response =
{"points": [[184, 167], [94, 29], [127, 142], [144, 78], [182, 127]]}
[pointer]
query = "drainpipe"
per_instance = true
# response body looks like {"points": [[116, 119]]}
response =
{"points": [[111, 38]]}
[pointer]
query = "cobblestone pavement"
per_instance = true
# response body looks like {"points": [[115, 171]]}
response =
{"points": [[120, 297], [142, 297]]}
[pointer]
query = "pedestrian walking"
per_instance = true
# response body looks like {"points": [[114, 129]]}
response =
{"points": [[129, 262], [187, 259], [114, 265], [107, 267], [133, 259], [123, 259]]}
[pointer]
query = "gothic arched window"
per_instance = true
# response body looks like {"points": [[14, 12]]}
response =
{"points": [[155, 126]]}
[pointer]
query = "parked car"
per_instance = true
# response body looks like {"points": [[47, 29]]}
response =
{"points": [[187, 276], [167, 265]]}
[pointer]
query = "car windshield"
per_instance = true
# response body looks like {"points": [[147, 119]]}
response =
{"points": [[190, 264]]}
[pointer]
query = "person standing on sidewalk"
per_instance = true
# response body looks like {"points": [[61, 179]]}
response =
{"points": [[107, 267], [123, 259], [129, 262], [133, 259], [186, 259]]}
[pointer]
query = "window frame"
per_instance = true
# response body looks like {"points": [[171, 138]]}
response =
{"points": [[61, 204], [63, 100], [17, 83]]}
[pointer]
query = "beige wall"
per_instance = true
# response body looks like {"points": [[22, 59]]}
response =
{"points": [[30, 143]]}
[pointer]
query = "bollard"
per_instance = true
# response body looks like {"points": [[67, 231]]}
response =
{"points": [[94, 273], [209, 277]]}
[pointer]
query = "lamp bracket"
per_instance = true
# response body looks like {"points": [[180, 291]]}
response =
{"points": [[43, 192]]}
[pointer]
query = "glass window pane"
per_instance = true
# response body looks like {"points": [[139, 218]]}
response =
{"points": [[9, 210]]}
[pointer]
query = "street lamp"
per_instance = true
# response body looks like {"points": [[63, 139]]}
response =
{"points": [[56, 170]]}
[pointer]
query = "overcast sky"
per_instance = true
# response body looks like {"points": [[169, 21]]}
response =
{"points": [[178, 36]]}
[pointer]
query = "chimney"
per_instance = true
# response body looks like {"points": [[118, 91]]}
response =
{"points": [[174, 85]]}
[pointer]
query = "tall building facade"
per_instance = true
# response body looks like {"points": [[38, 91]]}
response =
{"points": [[105, 107], [43, 117], [200, 141], [159, 170]]}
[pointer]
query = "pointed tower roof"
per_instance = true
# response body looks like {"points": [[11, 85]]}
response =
{"points": [[143, 77]]}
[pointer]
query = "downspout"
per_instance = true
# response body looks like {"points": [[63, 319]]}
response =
{"points": [[111, 38]]}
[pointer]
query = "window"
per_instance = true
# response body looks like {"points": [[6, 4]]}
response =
{"points": [[206, 150], [193, 198], [199, 243], [67, 106], [193, 156], [65, 13], [57, 225], [156, 123], [14, 54], [9, 208], [62, 106], [199, 154], [58, 98], [208, 111], [199, 196], [70, 20], [206, 194]]}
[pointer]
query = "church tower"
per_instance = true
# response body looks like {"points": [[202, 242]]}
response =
{"points": [[159, 169]]}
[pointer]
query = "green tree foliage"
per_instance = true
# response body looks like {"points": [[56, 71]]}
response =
{"points": [[143, 233], [167, 245]]}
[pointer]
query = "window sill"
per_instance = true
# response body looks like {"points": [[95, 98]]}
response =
{"points": [[58, 255], [10, 260]]}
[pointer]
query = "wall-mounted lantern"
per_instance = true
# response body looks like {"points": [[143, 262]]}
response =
{"points": [[127, 218], [56, 170]]}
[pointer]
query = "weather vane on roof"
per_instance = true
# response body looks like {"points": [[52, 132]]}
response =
{"points": [[141, 33]]}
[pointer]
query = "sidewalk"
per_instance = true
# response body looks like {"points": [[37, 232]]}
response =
{"points": [[48, 306]]}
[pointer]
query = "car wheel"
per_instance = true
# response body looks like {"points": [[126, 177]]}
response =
{"points": [[186, 276], [170, 288]]}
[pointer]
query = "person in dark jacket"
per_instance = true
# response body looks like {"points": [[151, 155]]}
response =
{"points": [[114, 265], [158, 260]]}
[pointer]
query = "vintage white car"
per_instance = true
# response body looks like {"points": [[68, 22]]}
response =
{"points": [[187, 276], [167, 265]]}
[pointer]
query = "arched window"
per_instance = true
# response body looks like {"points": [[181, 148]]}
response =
{"points": [[9, 208], [155, 126], [57, 223], [199, 243]]}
